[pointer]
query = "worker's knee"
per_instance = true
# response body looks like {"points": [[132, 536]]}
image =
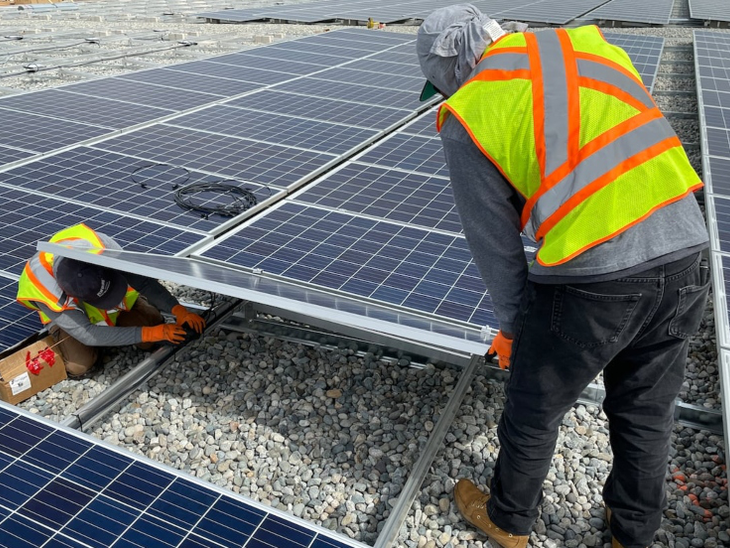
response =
{"points": [[81, 362]]}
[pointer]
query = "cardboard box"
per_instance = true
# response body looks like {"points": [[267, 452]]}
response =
{"points": [[32, 368]]}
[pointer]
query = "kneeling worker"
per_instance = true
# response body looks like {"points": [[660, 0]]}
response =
{"points": [[89, 307]]}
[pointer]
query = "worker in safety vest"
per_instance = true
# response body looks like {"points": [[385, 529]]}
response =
{"points": [[88, 306], [553, 135]]}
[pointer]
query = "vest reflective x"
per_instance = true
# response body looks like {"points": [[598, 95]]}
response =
{"points": [[565, 117], [37, 284]]}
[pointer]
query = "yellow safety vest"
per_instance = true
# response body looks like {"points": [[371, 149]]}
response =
{"points": [[37, 284], [565, 117]]}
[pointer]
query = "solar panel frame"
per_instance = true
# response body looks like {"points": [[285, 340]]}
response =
{"points": [[411, 153], [9, 155], [709, 10], [656, 12], [66, 489]]}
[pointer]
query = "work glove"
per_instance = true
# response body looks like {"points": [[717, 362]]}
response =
{"points": [[168, 332], [502, 347], [194, 321]]}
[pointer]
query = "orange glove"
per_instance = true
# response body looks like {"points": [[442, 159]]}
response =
{"points": [[169, 332], [502, 347], [182, 316]]}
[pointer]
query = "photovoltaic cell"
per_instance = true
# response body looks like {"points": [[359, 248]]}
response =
{"points": [[42, 133], [63, 488], [143, 93], [278, 129], [98, 111], [379, 67], [249, 59], [404, 266], [372, 78], [23, 227], [709, 10], [220, 87], [326, 110], [549, 11], [126, 185], [412, 198], [722, 221], [233, 72], [657, 12], [424, 125], [408, 152], [17, 322], [241, 159], [9, 155], [285, 53], [369, 95]]}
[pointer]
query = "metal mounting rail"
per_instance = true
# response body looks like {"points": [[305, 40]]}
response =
{"points": [[99, 406]]}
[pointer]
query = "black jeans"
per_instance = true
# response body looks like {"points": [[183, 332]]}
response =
{"points": [[636, 331]]}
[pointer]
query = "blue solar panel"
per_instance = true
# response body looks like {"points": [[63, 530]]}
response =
{"points": [[99, 111], [143, 93], [23, 227], [62, 488], [233, 72], [249, 59], [656, 12], [376, 68], [9, 155], [722, 221], [244, 160], [327, 110], [712, 10], [220, 87], [345, 91], [392, 264], [424, 125], [42, 133], [644, 52], [412, 198], [127, 185], [266, 127], [382, 80], [410, 153], [283, 53], [16, 321]]}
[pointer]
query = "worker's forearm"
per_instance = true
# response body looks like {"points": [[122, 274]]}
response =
{"points": [[153, 290], [76, 324]]}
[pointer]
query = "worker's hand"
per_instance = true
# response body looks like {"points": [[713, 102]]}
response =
{"points": [[183, 317], [168, 332], [502, 347]]}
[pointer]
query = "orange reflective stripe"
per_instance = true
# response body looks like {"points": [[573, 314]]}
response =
{"points": [[495, 75], [538, 100], [479, 144], [608, 63], [609, 89], [511, 49], [571, 77], [604, 180], [43, 259], [622, 229], [38, 285]]}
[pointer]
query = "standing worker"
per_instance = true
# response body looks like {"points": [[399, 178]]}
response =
{"points": [[553, 134], [89, 306]]}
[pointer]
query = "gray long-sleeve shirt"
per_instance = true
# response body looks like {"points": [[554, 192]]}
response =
{"points": [[490, 209], [76, 323]]}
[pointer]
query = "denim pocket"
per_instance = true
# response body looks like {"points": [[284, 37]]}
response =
{"points": [[590, 319], [690, 309]]}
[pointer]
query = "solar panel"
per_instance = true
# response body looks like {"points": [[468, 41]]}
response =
{"points": [[242, 159], [412, 198], [377, 68], [251, 60], [285, 53], [221, 87], [126, 185], [23, 227], [369, 95], [424, 125], [657, 12], [9, 155], [16, 321], [709, 10], [645, 53], [42, 133], [549, 11], [63, 488], [388, 263], [408, 152], [278, 129], [369, 78], [721, 220], [143, 93], [318, 108], [106, 113], [245, 74]]}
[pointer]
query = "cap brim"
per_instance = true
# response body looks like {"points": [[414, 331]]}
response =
{"points": [[116, 293], [428, 91]]}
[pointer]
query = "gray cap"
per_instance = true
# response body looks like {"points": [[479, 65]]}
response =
{"points": [[450, 43]]}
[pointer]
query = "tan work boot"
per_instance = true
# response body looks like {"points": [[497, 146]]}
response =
{"points": [[472, 504]]}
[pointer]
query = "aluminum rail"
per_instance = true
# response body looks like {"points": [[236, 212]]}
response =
{"points": [[389, 533], [88, 414]]}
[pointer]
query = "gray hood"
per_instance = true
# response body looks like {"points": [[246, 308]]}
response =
{"points": [[451, 41]]}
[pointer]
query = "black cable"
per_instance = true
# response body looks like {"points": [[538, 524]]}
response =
{"points": [[242, 198]]}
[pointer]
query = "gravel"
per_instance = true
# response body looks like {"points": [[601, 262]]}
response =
{"points": [[330, 434]]}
